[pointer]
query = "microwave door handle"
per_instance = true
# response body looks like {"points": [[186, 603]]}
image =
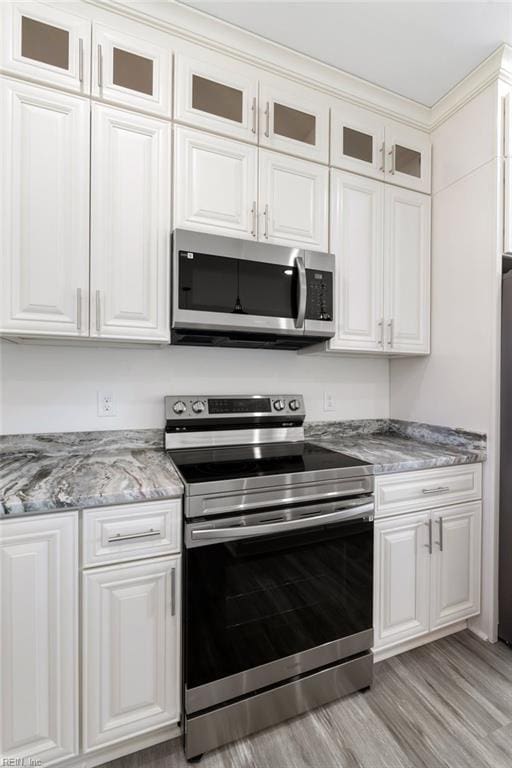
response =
{"points": [[302, 292]]}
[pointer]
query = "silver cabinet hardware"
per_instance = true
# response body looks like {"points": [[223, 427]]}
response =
{"points": [[254, 115], [253, 213], [267, 120], [98, 310], [391, 327], [303, 290], [380, 326], [429, 545], [80, 60], [100, 67], [438, 489], [265, 214], [173, 592], [392, 152], [79, 309], [129, 536], [382, 151], [440, 542]]}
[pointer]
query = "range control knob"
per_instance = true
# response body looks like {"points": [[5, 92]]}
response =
{"points": [[198, 406], [294, 405], [279, 405], [179, 407]]}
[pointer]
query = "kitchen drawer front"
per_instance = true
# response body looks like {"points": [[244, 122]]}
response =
{"points": [[131, 531], [428, 489]]}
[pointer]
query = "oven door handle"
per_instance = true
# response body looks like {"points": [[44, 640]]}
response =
{"points": [[302, 292], [363, 512]]}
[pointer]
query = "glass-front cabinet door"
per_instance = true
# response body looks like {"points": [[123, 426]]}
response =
{"points": [[217, 96], [294, 120], [407, 157], [357, 141], [131, 70], [45, 43]]}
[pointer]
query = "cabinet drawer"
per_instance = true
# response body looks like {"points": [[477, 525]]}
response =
{"points": [[427, 489], [131, 531]]}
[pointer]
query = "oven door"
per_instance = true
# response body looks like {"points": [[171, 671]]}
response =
{"points": [[271, 596]]}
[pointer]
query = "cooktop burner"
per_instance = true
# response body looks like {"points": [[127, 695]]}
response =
{"points": [[198, 465]]}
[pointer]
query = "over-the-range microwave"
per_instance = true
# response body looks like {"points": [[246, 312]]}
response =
{"points": [[232, 292]]}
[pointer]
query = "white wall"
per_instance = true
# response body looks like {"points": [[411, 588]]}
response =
{"points": [[50, 388], [458, 384]]}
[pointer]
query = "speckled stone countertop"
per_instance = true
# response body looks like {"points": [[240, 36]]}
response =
{"points": [[52, 472], [392, 445]]}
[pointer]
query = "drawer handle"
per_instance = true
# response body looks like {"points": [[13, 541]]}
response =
{"points": [[439, 489], [127, 536]]}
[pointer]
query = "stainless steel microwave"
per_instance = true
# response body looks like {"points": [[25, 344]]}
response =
{"points": [[232, 292]]}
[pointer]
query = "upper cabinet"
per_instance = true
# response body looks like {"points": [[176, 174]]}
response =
{"points": [[130, 225], [294, 119], [365, 143], [44, 193], [131, 68], [47, 44], [219, 98]]}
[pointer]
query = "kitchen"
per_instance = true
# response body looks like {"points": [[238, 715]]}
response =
{"points": [[329, 254]]}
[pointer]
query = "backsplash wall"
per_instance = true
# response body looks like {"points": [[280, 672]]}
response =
{"points": [[45, 388]]}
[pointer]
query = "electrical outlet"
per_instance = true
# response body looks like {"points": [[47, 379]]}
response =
{"points": [[106, 404], [329, 402]]}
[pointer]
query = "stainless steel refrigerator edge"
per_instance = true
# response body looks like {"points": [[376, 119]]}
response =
{"points": [[505, 530]]}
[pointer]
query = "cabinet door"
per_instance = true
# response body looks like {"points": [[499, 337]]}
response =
{"points": [[357, 141], [129, 69], [293, 201], [39, 639], [357, 235], [218, 98], [401, 578], [46, 44], [131, 650], [407, 271], [294, 120], [130, 225], [456, 563], [44, 210], [215, 184], [408, 154]]}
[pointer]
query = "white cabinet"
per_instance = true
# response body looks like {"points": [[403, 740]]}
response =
{"points": [[44, 43], [44, 202], [294, 119], [39, 638], [402, 573], [357, 233], [293, 201], [133, 69], [130, 225], [456, 569], [380, 236], [216, 96], [131, 650], [215, 184], [407, 271], [364, 142], [427, 571]]}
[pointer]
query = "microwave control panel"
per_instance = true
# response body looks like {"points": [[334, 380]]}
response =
{"points": [[319, 304]]}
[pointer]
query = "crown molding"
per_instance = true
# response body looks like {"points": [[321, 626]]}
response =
{"points": [[197, 27]]}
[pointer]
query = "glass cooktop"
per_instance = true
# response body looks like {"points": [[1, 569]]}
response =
{"points": [[200, 465]]}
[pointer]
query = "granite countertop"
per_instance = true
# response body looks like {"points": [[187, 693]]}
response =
{"points": [[52, 472]]}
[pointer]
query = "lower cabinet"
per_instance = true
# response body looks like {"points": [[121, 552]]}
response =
{"points": [[39, 638], [427, 571], [131, 649]]}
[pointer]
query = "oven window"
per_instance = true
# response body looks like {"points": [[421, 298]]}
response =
{"points": [[236, 286], [253, 601]]}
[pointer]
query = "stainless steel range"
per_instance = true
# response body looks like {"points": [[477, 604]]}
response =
{"points": [[278, 565]]}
